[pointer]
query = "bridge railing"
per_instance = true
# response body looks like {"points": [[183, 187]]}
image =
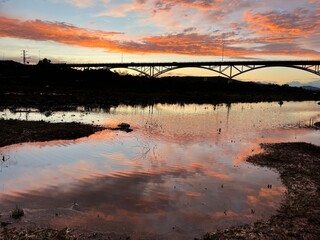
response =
{"points": [[253, 62]]}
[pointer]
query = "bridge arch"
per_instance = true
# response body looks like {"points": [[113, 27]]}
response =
{"points": [[181, 67], [133, 69], [228, 71], [271, 66]]}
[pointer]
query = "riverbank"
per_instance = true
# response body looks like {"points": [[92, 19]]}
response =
{"points": [[299, 214], [15, 131]]}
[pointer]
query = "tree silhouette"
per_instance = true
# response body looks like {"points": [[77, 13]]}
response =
{"points": [[44, 62]]}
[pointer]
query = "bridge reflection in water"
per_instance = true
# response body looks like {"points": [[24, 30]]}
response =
{"points": [[229, 69]]}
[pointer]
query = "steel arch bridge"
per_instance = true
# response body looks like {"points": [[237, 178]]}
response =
{"points": [[229, 69]]}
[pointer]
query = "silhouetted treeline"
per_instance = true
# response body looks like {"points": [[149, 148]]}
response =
{"points": [[46, 84]]}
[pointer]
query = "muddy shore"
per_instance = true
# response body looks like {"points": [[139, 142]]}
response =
{"points": [[297, 163], [299, 214], [15, 131]]}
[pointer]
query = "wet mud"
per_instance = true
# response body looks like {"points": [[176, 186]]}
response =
{"points": [[298, 216], [16, 131]]}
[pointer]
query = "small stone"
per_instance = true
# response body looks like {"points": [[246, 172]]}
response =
{"points": [[124, 125]]}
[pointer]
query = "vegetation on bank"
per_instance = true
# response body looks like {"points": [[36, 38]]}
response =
{"points": [[17, 213], [48, 86]]}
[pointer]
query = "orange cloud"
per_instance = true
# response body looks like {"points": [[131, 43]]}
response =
{"points": [[186, 43], [209, 45], [300, 23], [59, 32]]}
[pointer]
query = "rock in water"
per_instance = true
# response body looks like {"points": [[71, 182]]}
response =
{"points": [[124, 125]]}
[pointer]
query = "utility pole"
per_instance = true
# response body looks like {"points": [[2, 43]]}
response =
{"points": [[24, 56]]}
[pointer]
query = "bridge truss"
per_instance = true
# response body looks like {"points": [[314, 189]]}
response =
{"points": [[230, 69]]}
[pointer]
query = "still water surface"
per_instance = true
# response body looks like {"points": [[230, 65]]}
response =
{"points": [[180, 173]]}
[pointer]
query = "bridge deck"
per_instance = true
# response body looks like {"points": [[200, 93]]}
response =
{"points": [[195, 64]]}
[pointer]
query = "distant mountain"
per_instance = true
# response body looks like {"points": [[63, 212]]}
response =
{"points": [[314, 84], [311, 88]]}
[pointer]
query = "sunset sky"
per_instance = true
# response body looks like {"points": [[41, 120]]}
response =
{"points": [[164, 30]]}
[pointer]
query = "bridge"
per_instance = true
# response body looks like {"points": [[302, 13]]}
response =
{"points": [[229, 69]]}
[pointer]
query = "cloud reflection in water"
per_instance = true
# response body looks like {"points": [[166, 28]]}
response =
{"points": [[173, 175]]}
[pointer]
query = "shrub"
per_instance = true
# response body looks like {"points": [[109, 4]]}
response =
{"points": [[17, 213]]}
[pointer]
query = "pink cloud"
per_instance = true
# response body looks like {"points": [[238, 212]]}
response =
{"points": [[186, 43], [56, 31], [299, 23], [176, 14]]}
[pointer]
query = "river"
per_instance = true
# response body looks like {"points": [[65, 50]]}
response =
{"points": [[179, 174]]}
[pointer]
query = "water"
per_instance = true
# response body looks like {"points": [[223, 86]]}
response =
{"points": [[180, 173]]}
